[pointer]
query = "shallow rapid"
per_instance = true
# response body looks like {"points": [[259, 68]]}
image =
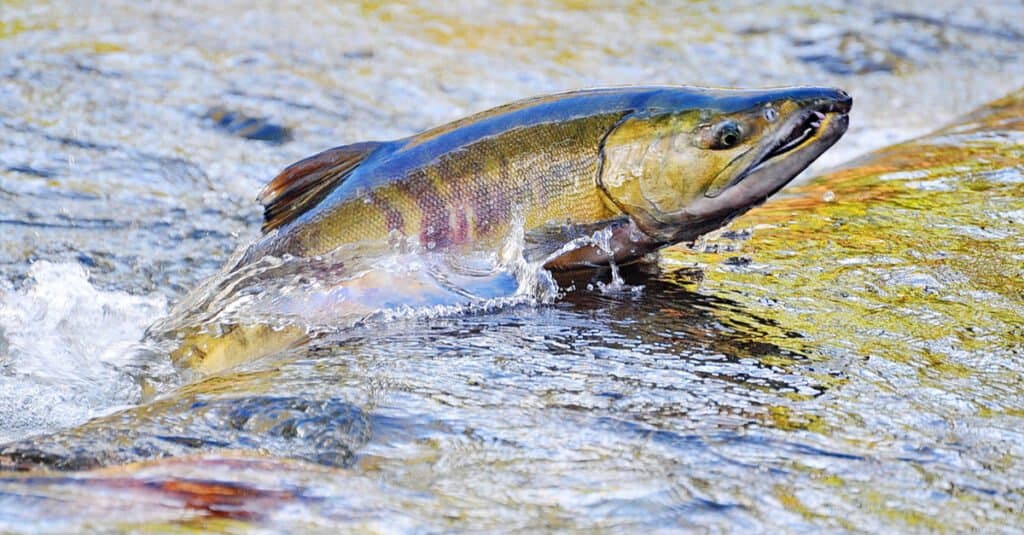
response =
{"points": [[845, 358]]}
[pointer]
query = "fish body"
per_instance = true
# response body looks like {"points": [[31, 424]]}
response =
{"points": [[542, 163]]}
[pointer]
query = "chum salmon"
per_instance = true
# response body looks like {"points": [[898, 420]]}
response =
{"points": [[648, 166]]}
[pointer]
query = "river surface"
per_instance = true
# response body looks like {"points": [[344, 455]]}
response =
{"points": [[846, 358]]}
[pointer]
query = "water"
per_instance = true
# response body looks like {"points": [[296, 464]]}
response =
{"points": [[845, 358], [66, 349]]}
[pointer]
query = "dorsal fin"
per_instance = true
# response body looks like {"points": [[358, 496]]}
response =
{"points": [[303, 184]]}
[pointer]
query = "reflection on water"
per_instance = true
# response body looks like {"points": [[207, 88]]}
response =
{"points": [[845, 358]]}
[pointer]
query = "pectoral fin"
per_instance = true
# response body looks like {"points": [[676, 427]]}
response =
{"points": [[572, 247], [305, 183], [546, 240]]}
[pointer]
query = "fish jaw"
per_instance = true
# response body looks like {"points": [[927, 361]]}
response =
{"points": [[684, 173], [762, 181]]}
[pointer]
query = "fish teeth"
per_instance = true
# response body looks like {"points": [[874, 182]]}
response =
{"points": [[819, 115]]}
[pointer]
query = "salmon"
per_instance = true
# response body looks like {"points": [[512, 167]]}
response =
{"points": [[676, 162], [646, 166]]}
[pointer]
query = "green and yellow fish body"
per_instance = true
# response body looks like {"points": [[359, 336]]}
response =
{"points": [[578, 158], [651, 166]]}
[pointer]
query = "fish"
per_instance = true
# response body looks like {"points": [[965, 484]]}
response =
{"points": [[672, 163], [647, 166]]}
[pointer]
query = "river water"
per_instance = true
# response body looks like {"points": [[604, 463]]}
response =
{"points": [[847, 357]]}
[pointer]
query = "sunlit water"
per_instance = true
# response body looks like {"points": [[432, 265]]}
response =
{"points": [[848, 357]]}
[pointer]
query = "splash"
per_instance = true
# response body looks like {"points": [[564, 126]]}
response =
{"points": [[66, 349], [351, 287], [263, 306]]}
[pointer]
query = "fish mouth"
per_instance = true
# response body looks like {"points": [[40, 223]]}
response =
{"points": [[817, 127]]}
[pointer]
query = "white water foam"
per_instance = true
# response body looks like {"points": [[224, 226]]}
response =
{"points": [[65, 347], [361, 283]]}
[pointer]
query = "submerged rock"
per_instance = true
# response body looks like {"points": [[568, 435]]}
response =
{"points": [[242, 125]]}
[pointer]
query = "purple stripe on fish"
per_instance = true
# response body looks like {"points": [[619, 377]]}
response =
{"points": [[435, 227], [491, 207], [482, 194], [461, 226]]}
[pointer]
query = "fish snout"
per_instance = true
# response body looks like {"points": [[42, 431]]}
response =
{"points": [[834, 100], [844, 103]]}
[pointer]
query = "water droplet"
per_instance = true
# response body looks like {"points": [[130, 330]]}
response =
{"points": [[431, 244], [634, 234], [828, 196]]}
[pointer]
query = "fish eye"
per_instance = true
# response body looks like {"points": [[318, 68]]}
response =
{"points": [[724, 135], [770, 114], [720, 136]]}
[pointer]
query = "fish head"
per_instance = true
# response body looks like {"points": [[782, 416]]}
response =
{"points": [[690, 160]]}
